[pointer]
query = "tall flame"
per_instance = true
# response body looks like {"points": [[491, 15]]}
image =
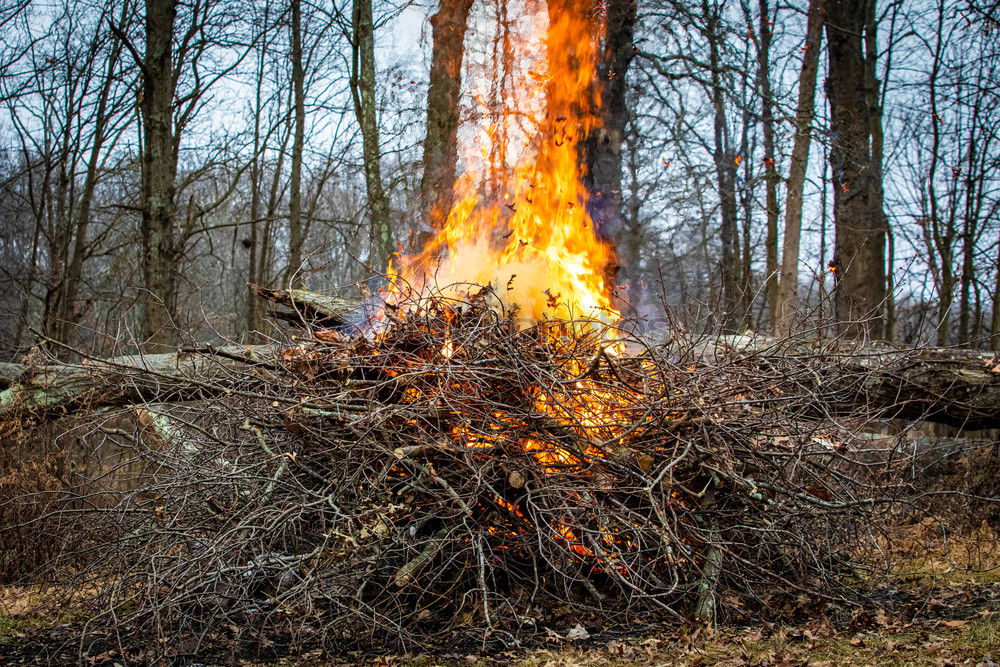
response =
{"points": [[535, 242]]}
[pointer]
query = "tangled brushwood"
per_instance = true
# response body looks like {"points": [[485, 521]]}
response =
{"points": [[454, 472]]}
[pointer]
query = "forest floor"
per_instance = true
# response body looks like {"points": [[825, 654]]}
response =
{"points": [[947, 620], [939, 610], [951, 619], [962, 629]]}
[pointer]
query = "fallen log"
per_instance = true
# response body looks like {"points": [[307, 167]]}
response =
{"points": [[950, 386], [52, 390], [310, 308], [49, 390]]}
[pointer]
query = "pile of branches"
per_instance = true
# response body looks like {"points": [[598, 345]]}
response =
{"points": [[454, 471]]}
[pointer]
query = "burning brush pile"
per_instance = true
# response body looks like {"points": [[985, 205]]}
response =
{"points": [[459, 473], [492, 460]]}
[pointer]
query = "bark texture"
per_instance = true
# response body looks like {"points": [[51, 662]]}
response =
{"points": [[444, 90], [49, 392], [160, 256], [363, 92], [602, 148], [859, 255]]}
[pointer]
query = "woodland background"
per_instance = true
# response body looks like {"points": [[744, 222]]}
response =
{"points": [[157, 156]]}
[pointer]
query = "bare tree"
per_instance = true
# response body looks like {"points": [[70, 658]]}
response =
{"points": [[68, 108], [364, 96], [295, 232], [764, 40], [63, 304], [859, 255], [805, 111], [444, 89], [160, 144], [734, 293]]}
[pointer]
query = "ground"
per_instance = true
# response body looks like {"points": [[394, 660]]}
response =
{"points": [[959, 624], [941, 607], [951, 621]]}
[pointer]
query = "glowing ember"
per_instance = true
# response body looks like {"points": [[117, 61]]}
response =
{"points": [[448, 349], [536, 244]]}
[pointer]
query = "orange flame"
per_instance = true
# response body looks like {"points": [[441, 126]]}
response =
{"points": [[536, 244], [524, 229]]}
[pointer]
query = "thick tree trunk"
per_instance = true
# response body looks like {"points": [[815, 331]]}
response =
{"points": [[859, 255], [443, 93], [158, 299], [948, 386], [48, 392], [788, 285], [363, 92], [602, 148]]}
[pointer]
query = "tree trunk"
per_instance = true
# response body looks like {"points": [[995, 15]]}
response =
{"points": [[49, 392], [602, 148], [293, 276], [859, 243], [725, 174], [966, 280], [745, 195], [959, 388], [941, 233], [995, 323], [956, 387], [363, 92], [255, 245], [634, 233], [443, 94], [771, 178], [158, 298], [789, 283], [874, 89]]}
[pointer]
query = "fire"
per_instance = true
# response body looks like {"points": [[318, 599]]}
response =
{"points": [[535, 243], [523, 228], [448, 349]]}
